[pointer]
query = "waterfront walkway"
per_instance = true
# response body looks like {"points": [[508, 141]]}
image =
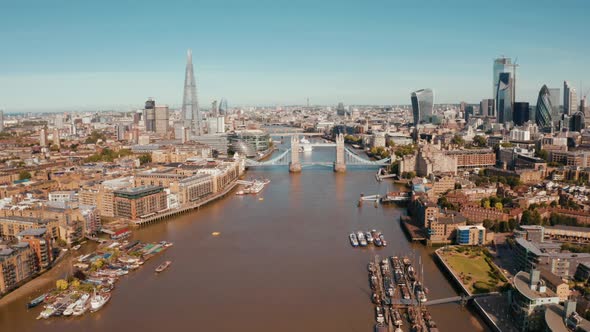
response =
{"points": [[462, 299], [181, 210]]}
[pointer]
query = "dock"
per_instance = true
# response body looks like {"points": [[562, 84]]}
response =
{"points": [[413, 232]]}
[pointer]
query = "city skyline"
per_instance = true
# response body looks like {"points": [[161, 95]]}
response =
{"points": [[66, 57]]}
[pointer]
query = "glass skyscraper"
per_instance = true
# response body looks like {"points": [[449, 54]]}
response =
{"points": [[501, 65], [521, 113], [504, 98], [554, 94], [543, 110], [422, 104]]}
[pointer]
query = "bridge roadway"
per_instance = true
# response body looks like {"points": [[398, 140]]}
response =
{"points": [[295, 134]]}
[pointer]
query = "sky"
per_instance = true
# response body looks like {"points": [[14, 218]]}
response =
{"points": [[94, 55]]}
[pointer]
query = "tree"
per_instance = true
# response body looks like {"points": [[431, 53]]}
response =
{"points": [[145, 158], [479, 140], [499, 206], [486, 203], [61, 284], [543, 154], [75, 284], [512, 224], [24, 175], [526, 218], [458, 140]]}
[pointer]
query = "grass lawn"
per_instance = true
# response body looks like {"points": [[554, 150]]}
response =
{"points": [[472, 268]]}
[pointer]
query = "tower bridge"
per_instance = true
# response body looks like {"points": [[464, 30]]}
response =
{"points": [[344, 158]]}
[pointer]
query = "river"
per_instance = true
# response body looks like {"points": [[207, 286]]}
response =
{"points": [[283, 263]]}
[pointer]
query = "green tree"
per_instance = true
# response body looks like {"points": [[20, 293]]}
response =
{"points": [[479, 141], [526, 218], [458, 140], [145, 158], [486, 204], [61, 284], [543, 154], [499, 206], [24, 175]]}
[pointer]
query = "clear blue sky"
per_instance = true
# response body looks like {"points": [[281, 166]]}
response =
{"points": [[58, 55]]}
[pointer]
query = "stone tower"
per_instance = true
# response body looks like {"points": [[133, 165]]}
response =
{"points": [[295, 165], [340, 164]]}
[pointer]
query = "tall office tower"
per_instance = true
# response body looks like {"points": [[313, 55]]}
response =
{"points": [[422, 104], [73, 128], [554, 96], [486, 107], [468, 111], [43, 137], [543, 110], [56, 140], [340, 110], [120, 131], [223, 106], [582, 105], [520, 114], [190, 106], [59, 121], [149, 115], [136, 117], [502, 65], [1, 120], [569, 99], [504, 98], [214, 109], [161, 119], [577, 122]]}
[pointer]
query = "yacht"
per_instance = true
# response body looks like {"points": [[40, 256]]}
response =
{"points": [[70, 309], [353, 240], [98, 301], [81, 305], [361, 238]]}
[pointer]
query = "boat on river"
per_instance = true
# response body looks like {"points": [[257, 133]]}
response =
{"points": [[98, 301], [81, 305], [353, 240], [163, 266], [36, 301], [361, 237]]}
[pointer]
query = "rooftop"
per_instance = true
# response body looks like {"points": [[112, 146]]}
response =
{"points": [[33, 232], [521, 283]]}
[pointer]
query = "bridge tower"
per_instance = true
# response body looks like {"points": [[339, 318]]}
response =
{"points": [[340, 164], [295, 165]]}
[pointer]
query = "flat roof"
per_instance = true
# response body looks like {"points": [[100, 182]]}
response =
{"points": [[521, 283], [33, 232], [555, 321]]}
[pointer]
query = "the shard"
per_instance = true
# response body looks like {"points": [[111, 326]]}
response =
{"points": [[190, 105]]}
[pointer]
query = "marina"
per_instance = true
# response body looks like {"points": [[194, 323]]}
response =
{"points": [[91, 286], [364, 239], [396, 290], [252, 187]]}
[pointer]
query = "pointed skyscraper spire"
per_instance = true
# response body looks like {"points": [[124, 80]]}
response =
{"points": [[190, 105]]}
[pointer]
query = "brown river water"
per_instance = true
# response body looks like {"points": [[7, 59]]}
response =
{"points": [[283, 263]]}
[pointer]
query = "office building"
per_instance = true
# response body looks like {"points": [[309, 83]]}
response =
{"points": [[191, 113], [120, 130], [1, 121], [223, 107], [502, 65], [149, 115], [422, 105], [504, 98], [340, 110], [570, 101], [43, 137], [134, 203], [530, 295], [521, 113], [543, 109], [471, 235], [161, 119], [577, 122], [487, 108]]}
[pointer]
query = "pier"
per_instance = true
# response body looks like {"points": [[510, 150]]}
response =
{"points": [[181, 210], [413, 232]]}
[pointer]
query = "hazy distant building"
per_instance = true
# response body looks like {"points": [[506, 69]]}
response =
{"points": [[59, 121], [577, 122], [543, 109], [43, 137], [569, 99], [161, 119], [521, 113], [149, 115], [486, 107], [56, 140], [1, 120], [214, 109], [120, 131], [223, 106], [554, 96], [422, 105], [504, 98], [340, 109], [191, 113]]}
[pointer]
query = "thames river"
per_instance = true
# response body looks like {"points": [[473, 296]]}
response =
{"points": [[282, 262]]}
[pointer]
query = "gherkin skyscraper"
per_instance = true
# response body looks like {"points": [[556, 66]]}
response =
{"points": [[544, 107], [190, 105]]}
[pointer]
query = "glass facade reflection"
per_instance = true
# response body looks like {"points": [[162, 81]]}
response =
{"points": [[544, 108], [422, 104], [504, 98]]}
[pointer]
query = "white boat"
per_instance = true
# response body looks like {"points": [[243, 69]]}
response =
{"points": [[49, 310], [98, 301], [81, 305], [361, 238], [353, 240], [76, 247], [69, 309]]}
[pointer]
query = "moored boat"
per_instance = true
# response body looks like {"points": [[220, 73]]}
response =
{"points": [[81, 305], [98, 301], [163, 266], [362, 239], [353, 240], [36, 301]]}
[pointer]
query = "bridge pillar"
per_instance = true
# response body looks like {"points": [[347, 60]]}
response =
{"points": [[295, 165], [340, 164]]}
